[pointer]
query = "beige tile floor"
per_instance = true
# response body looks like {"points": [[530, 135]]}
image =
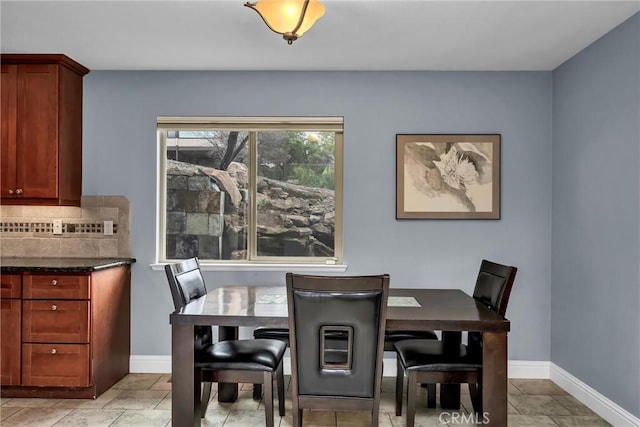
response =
{"points": [[145, 400]]}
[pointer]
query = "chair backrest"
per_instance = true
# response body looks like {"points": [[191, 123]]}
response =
{"points": [[493, 286], [185, 281], [336, 326]]}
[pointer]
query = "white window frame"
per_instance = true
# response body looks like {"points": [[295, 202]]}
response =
{"points": [[255, 124]]}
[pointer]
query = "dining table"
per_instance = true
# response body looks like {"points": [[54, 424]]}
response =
{"points": [[230, 307]]}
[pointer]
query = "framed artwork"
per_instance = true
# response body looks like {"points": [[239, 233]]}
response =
{"points": [[448, 176]]}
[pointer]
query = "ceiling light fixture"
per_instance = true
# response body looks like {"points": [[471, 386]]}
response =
{"points": [[291, 18]]}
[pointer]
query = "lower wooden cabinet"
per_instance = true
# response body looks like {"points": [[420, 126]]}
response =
{"points": [[55, 365], [10, 310], [64, 334]]}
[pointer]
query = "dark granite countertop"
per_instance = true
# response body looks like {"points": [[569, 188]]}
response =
{"points": [[60, 265]]}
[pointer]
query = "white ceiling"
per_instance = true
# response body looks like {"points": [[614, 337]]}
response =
{"points": [[353, 34]]}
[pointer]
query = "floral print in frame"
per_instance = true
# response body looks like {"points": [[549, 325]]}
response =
{"points": [[448, 176]]}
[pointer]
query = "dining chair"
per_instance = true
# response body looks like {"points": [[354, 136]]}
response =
{"points": [[265, 332], [250, 361], [336, 334], [393, 336], [430, 361]]}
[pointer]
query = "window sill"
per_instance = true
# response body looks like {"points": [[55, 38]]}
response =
{"points": [[285, 268]]}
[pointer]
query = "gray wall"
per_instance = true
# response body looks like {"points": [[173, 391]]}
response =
{"points": [[121, 157], [596, 216]]}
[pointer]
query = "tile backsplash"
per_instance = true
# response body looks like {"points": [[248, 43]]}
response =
{"points": [[27, 231]]}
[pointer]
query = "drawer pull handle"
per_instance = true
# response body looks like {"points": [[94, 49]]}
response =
{"points": [[54, 351], [54, 307], [54, 282], [19, 191], [10, 191]]}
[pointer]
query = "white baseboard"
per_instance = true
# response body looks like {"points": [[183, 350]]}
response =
{"points": [[162, 365], [597, 402], [150, 364], [532, 369]]}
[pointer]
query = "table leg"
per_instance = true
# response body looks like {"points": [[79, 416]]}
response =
{"points": [[183, 403], [494, 378], [450, 393], [227, 392]]}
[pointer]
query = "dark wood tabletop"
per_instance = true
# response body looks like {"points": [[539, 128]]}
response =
{"points": [[440, 309]]}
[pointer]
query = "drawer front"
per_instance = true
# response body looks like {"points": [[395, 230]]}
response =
{"points": [[52, 286], [55, 321], [56, 365], [10, 286]]}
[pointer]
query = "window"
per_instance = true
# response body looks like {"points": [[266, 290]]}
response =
{"points": [[257, 190]]}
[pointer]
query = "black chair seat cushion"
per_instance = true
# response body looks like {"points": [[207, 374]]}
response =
{"points": [[391, 337], [281, 334], [430, 355], [395, 336], [204, 337], [248, 355]]}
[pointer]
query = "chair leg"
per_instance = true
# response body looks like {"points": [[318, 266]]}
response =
{"points": [[206, 396], [473, 394], [475, 390], [431, 395], [412, 391], [268, 398], [197, 399], [375, 409], [374, 417], [399, 383], [280, 385], [297, 413], [257, 391]]}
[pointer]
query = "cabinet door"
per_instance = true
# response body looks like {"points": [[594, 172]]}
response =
{"points": [[10, 341], [8, 93], [37, 131], [10, 286]]}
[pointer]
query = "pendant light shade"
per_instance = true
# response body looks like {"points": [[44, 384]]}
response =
{"points": [[291, 18]]}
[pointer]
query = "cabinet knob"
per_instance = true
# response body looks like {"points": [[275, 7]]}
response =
{"points": [[54, 307], [54, 351], [10, 191], [19, 191], [54, 282]]}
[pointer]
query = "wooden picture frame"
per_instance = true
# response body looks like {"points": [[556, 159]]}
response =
{"points": [[451, 176]]}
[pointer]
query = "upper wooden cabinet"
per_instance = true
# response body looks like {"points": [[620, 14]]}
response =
{"points": [[41, 134]]}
